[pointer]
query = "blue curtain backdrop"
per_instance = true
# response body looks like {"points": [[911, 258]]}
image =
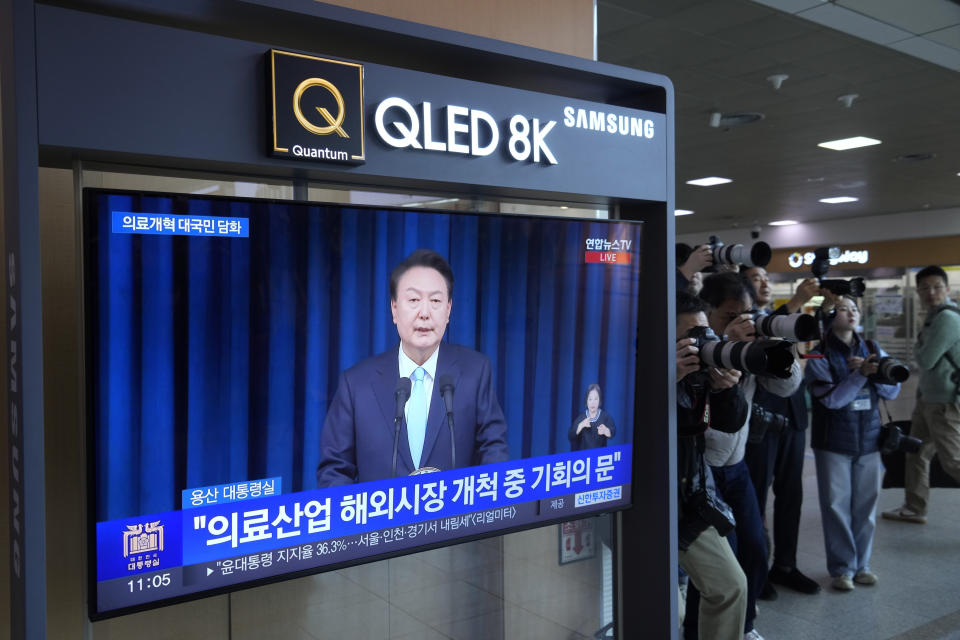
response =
{"points": [[213, 359]]}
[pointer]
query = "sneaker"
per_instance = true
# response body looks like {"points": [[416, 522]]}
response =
{"points": [[753, 634], [768, 592], [793, 579], [842, 583], [905, 514], [867, 578]]}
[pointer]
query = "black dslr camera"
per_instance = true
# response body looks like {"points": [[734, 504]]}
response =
{"points": [[762, 420], [702, 510], [893, 439], [890, 371], [821, 265]]}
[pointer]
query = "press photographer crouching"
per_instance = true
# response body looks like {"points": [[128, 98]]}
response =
{"points": [[846, 387], [775, 448], [707, 398], [770, 364]]}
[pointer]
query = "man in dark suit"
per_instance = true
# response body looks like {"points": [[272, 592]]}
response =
{"points": [[358, 433]]}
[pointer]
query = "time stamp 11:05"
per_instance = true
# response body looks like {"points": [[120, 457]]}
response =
{"points": [[152, 582]]}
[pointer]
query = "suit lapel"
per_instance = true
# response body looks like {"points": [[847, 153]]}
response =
{"points": [[387, 372], [437, 418]]}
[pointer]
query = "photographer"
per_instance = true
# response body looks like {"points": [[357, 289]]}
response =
{"points": [[936, 418], [731, 298], [845, 440], [706, 400], [775, 451]]}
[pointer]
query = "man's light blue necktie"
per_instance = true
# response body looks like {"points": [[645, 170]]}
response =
{"points": [[417, 416]]}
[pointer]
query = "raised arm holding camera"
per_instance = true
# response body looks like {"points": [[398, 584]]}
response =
{"points": [[846, 437]]}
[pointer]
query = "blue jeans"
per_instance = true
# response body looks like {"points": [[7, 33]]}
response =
{"points": [[849, 489], [748, 540]]}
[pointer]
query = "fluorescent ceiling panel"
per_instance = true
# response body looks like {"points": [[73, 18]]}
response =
{"points": [[709, 182], [839, 200], [848, 143]]}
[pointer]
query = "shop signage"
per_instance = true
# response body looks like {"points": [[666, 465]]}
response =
{"points": [[799, 260], [317, 108], [327, 111]]}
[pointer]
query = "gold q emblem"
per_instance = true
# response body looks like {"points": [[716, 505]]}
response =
{"points": [[334, 123]]}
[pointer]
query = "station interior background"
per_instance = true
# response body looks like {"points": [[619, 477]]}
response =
{"points": [[900, 61]]}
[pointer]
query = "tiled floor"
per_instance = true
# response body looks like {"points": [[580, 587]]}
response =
{"points": [[918, 596]]}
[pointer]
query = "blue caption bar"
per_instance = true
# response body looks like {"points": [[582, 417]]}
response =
{"points": [[168, 224], [206, 533], [231, 492]]}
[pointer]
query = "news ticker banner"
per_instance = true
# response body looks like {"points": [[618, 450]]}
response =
{"points": [[597, 250], [176, 553]]}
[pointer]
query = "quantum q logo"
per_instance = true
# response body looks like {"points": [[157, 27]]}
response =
{"points": [[333, 124], [317, 109]]}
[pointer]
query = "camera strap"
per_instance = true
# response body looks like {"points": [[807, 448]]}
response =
{"points": [[886, 408], [701, 447]]}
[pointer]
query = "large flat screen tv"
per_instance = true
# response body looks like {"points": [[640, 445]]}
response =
{"points": [[278, 388]]}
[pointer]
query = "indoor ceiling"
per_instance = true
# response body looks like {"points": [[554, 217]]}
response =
{"points": [[719, 54]]}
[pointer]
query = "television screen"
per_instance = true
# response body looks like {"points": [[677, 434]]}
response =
{"points": [[278, 388]]}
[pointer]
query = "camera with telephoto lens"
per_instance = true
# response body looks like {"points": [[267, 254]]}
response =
{"points": [[769, 358], [702, 510], [763, 420], [890, 371], [893, 439], [758, 255], [821, 265], [796, 327]]}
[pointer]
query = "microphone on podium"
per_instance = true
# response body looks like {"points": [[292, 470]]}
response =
{"points": [[445, 382], [400, 395]]}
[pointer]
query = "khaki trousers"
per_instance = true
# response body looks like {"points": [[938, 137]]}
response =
{"points": [[938, 425], [715, 572]]}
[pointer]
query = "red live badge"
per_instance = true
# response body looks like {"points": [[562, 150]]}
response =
{"points": [[607, 257]]}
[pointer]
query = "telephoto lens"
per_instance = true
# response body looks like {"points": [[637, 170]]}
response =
{"points": [[758, 255], [768, 358], [796, 327]]}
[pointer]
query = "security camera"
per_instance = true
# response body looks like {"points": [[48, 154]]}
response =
{"points": [[755, 231]]}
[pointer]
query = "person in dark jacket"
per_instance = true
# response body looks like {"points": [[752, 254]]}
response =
{"points": [[845, 439], [776, 457], [592, 428], [709, 399]]}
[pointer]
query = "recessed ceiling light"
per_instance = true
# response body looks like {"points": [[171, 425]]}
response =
{"points": [[848, 143], [783, 223], [682, 212], [839, 200], [709, 182]]}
